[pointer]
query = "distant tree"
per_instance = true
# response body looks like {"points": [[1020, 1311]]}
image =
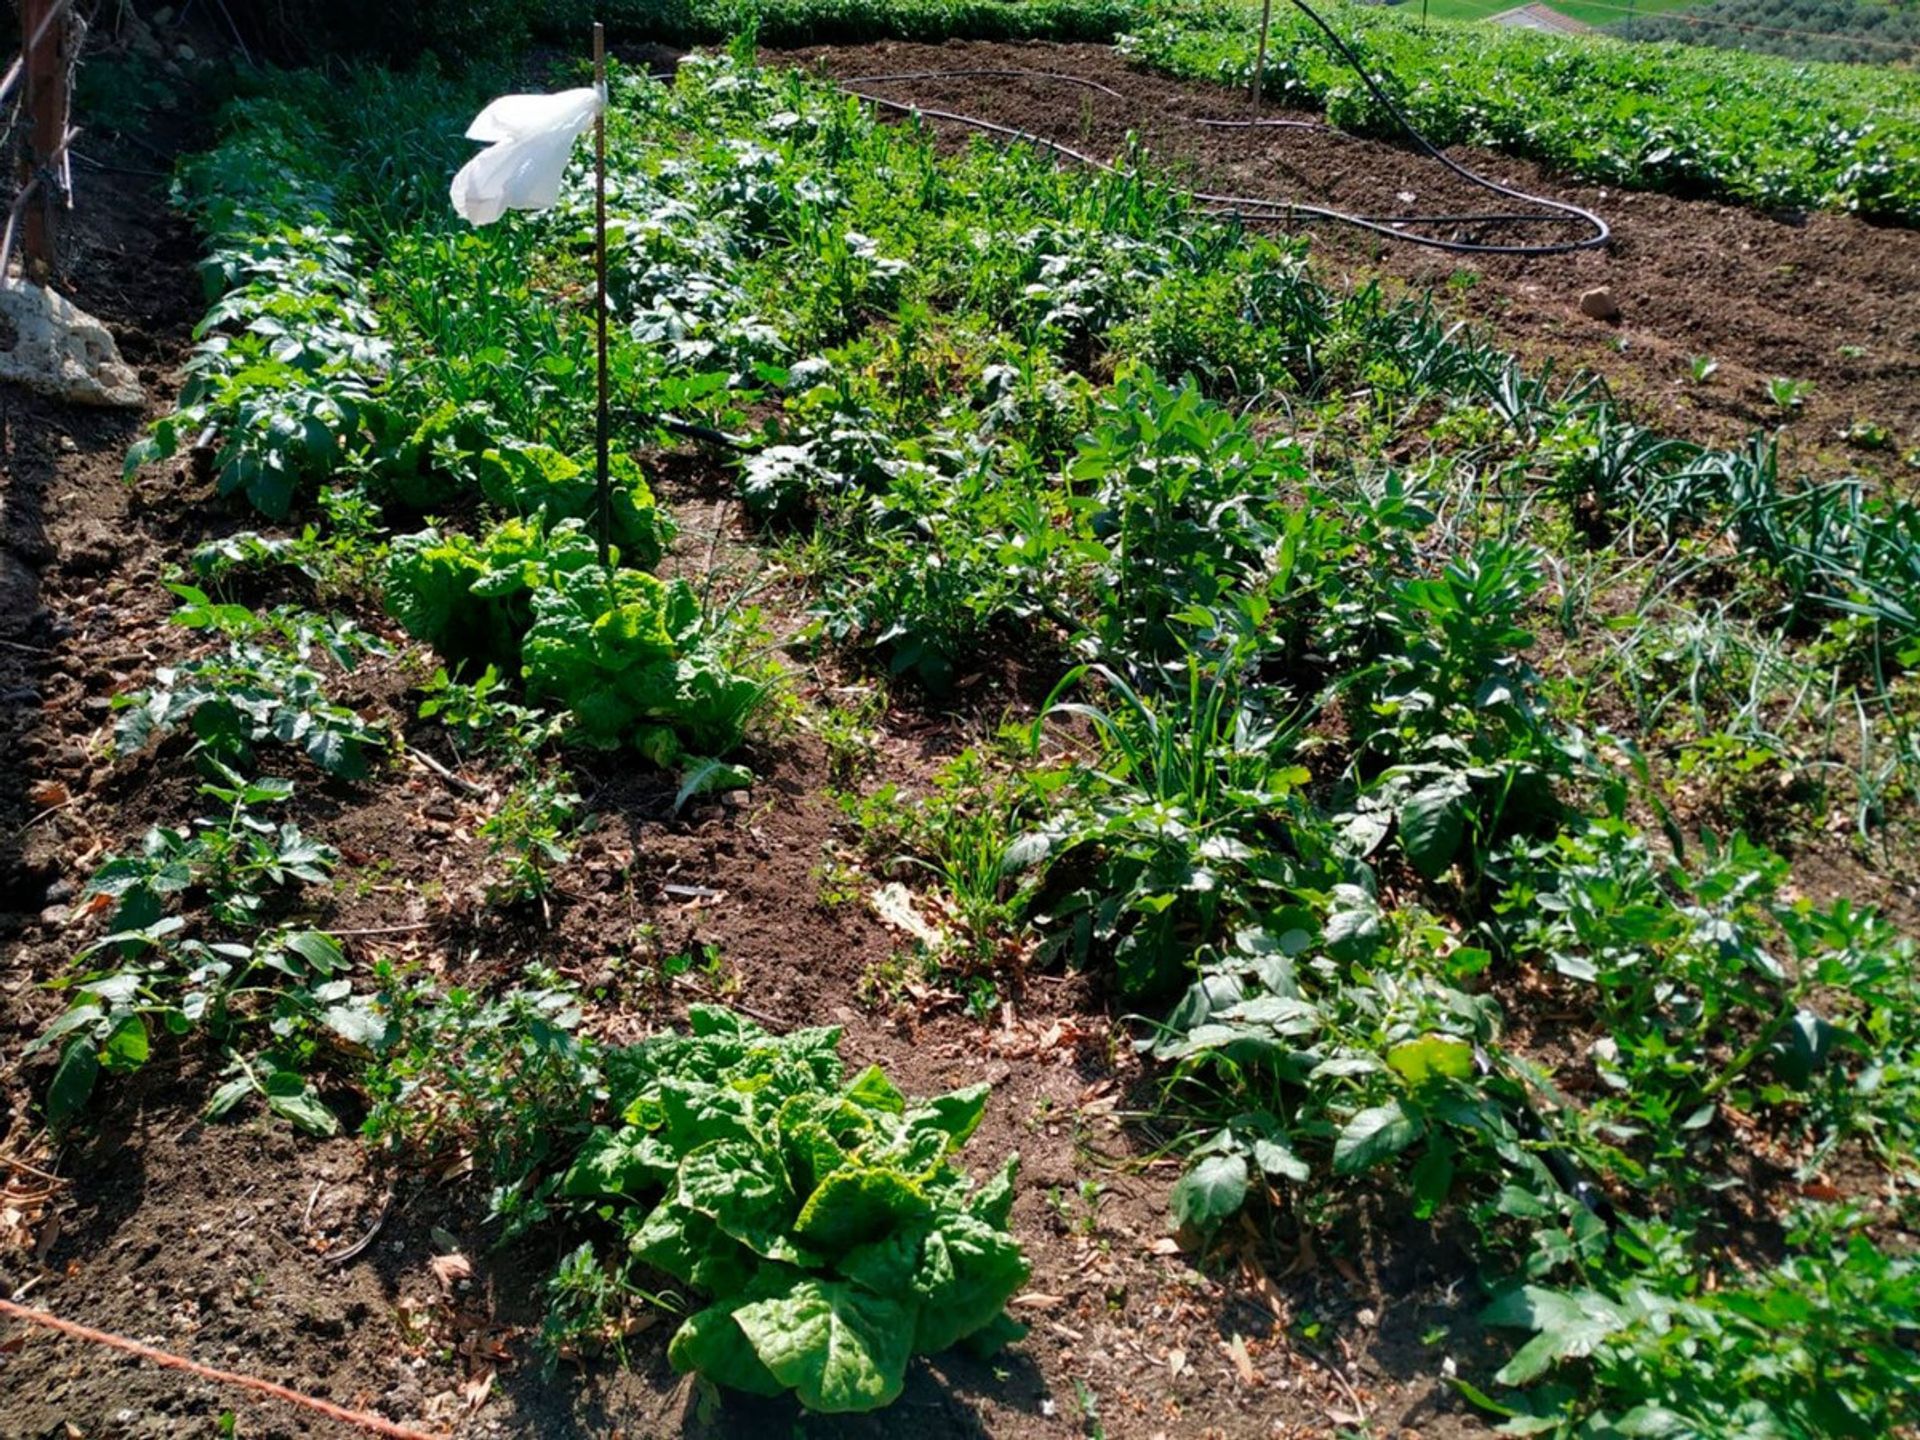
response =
{"points": [[1860, 32]]}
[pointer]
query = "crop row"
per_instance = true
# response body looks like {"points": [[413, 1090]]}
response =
{"points": [[1681, 119]]}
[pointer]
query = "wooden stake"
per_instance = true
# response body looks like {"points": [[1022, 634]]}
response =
{"points": [[603, 475], [45, 32], [1260, 58]]}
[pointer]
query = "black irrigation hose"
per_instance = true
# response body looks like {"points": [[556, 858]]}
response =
{"points": [[704, 433], [1255, 207]]}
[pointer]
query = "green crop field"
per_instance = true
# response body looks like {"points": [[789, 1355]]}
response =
{"points": [[1691, 120], [1599, 13]]}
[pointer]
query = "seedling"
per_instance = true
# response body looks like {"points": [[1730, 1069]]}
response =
{"points": [[1788, 394]]}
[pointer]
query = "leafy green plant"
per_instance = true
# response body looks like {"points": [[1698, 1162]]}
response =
{"points": [[1188, 510], [630, 657], [480, 715], [507, 1079], [285, 392], [1787, 394], [151, 975], [825, 1221], [527, 836], [1172, 831], [262, 689], [1818, 1345]]}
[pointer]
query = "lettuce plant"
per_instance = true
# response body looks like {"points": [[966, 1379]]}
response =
{"points": [[629, 655], [825, 1222]]}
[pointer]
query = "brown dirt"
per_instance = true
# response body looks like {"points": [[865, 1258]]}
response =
{"points": [[1764, 295]]}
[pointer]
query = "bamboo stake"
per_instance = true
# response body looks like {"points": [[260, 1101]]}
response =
{"points": [[602, 457], [1260, 58]]}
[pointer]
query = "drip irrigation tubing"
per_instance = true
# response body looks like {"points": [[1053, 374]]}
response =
{"points": [[1254, 207]]}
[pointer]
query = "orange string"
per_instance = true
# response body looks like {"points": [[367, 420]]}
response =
{"points": [[206, 1372]]}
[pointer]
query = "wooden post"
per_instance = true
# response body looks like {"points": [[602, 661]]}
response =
{"points": [[1260, 59], [45, 33], [602, 454]]}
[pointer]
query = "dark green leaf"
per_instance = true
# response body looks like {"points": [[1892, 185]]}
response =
{"points": [[72, 1083], [1214, 1188], [1375, 1135]]}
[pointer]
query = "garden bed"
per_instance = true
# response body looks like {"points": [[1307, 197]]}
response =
{"points": [[995, 330]]}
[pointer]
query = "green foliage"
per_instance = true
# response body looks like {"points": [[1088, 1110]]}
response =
{"points": [[1854, 32], [1178, 824], [852, 22], [527, 835], [262, 689], [450, 30], [265, 992], [1333, 786], [629, 657], [1188, 511], [825, 1223], [482, 715], [636, 663], [284, 374], [1686, 120], [523, 479], [506, 1079], [1819, 1345]]}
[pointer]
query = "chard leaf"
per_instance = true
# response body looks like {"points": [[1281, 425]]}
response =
{"points": [[956, 1114], [992, 1203], [873, 1091], [968, 1272], [711, 1344], [744, 1188], [858, 1204], [610, 1163], [690, 1247]]}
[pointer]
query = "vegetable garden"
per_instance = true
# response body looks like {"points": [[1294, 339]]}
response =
{"points": [[1346, 797]]}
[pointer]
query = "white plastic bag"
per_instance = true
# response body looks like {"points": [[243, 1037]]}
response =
{"points": [[530, 138]]}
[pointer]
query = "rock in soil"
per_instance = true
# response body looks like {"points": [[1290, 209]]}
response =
{"points": [[1600, 304]]}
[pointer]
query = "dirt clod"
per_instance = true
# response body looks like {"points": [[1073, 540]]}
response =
{"points": [[1599, 304]]}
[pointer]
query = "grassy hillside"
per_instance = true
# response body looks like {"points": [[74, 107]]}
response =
{"points": [[1862, 32], [1593, 12]]}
